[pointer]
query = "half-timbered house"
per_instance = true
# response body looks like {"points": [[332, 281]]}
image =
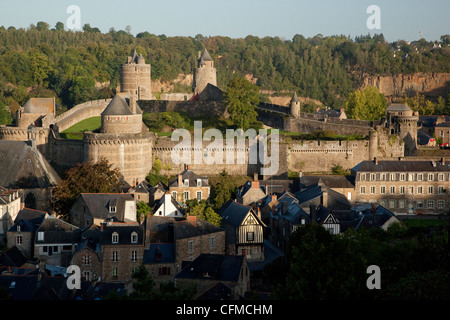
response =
{"points": [[244, 231]]}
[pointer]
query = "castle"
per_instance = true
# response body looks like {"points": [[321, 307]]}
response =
{"points": [[126, 142]]}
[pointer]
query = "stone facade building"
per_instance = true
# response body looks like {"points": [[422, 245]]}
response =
{"points": [[204, 74], [135, 77], [405, 187], [188, 186]]}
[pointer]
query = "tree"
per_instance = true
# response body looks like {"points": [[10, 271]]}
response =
{"points": [[368, 104], [241, 99], [40, 66], [5, 115], [59, 26], [203, 211], [85, 177], [142, 210], [222, 190]]}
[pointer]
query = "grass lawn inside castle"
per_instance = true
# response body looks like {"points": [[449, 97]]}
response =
{"points": [[76, 131]]}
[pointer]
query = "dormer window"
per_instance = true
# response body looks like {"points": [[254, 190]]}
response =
{"points": [[186, 182], [199, 182], [134, 237], [115, 237], [112, 209], [18, 228]]}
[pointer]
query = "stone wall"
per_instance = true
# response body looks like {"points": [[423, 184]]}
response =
{"points": [[80, 112], [192, 108]]}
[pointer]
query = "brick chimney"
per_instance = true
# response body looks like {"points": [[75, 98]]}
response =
{"points": [[102, 225], [180, 180], [192, 220], [443, 161], [375, 160]]}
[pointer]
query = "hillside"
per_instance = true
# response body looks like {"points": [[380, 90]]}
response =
{"points": [[81, 66]]}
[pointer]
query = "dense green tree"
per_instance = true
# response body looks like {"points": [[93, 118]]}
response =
{"points": [[368, 104], [241, 98], [204, 211], [84, 177]]}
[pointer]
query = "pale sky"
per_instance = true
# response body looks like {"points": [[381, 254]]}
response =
{"points": [[399, 19]]}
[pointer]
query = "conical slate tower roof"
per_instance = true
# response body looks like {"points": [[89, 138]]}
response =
{"points": [[117, 106], [294, 97], [206, 56]]}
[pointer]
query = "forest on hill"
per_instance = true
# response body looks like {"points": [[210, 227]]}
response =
{"points": [[78, 66]]}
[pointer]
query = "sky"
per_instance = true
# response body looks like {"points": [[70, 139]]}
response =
{"points": [[398, 19]]}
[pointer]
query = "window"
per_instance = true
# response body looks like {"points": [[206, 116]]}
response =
{"points": [[134, 256], [382, 189], [363, 190], [186, 182], [115, 256], [134, 237], [419, 204], [392, 189], [430, 204], [440, 204], [382, 203], [372, 177], [411, 190], [411, 177], [440, 177], [86, 259], [112, 209], [164, 271], [191, 246], [391, 203], [212, 242], [18, 239], [441, 189], [401, 204], [392, 177], [174, 195], [41, 236], [402, 189], [250, 236], [199, 195], [87, 275], [419, 177], [115, 272], [115, 237], [383, 177], [430, 177], [372, 189], [430, 189], [186, 195], [199, 182], [18, 228], [402, 177]]}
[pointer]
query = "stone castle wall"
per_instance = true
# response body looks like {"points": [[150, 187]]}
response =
{"points": [[192, 108]]}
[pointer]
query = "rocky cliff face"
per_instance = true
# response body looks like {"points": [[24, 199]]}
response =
{"points": [[429, 84]]}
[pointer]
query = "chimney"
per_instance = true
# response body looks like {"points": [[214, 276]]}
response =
{"points": [[258, 213], [443, 161], [255, 176], [255, 184], [375, 160], [102, 225], [312, 212], [180, 180], [192, 220], [266, 189]]}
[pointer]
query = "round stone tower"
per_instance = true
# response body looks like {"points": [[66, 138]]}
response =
{"points": [[135, 78], [401, 120], [123, 140], [294, 106], [204, 73]]}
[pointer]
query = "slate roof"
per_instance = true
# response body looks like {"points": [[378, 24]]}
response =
{"points": [[294, 97], [58, 231], [192, 177], [205, 56], [363, 218], [117, 106], [39, 105], [217, 267], [185, 229], [233, 213], [125, 231], [159, 253], [401, 166], [99, 203], [29, 220], [398, 107], [12, 257], [329, 112], [24, 167], [331, 181], [293, 210]]}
